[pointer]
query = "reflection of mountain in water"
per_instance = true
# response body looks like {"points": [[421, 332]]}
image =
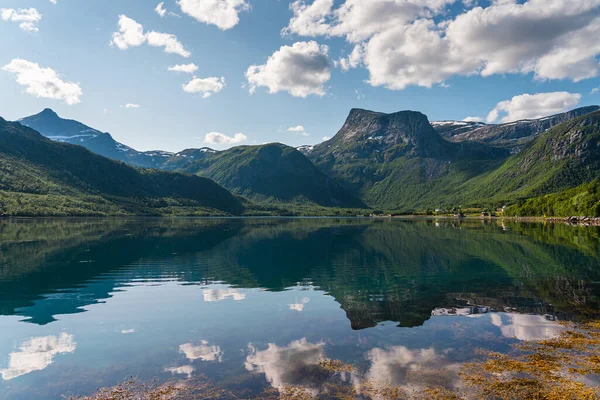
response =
{"points": [[393, 271]]}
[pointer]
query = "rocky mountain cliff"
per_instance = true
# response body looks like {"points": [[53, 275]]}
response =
{"points": [[513, 136]]}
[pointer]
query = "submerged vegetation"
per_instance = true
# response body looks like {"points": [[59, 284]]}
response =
{"points": [[565, 367]]}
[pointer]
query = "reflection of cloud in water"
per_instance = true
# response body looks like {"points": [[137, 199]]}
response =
{"points": [[411, 369], [299, 306], [183, 370], [296, 364], [211, 295], [36, 354], [202, 352], [526, 327]]}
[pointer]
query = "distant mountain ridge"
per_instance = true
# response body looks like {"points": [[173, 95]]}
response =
{"points": [[49, 124], [271, 173], [398, 161], [42, 177], [513, 136]]}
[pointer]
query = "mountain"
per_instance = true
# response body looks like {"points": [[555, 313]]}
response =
{"points": [[49, 124], [512, 136], [398, 161], [563, 157], [42, 177], [271, 173]]}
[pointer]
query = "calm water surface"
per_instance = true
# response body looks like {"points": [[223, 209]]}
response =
{"points": [[254, 303]]}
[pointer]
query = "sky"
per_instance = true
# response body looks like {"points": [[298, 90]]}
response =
{"points": [[191, 73]]}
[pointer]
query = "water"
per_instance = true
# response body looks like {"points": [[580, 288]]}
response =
{"points": [[257, 303]]}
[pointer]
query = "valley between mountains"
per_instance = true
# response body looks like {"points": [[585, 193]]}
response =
{"points": [[392, 163]]}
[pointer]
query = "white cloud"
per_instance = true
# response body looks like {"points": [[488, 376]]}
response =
{"points": [[353, 60], [526, 327], [532, 106], [473, 119], [326, 138], [205, 86], [160, 9], [43, 82], [53, 1], [36, 354], [412, 370], [301, 69], [298, 130], [222, 13], [131, 105], [183, 370], [300, 305], [296, 364], [131, 34], [127, 331], [401, 43], [187, 68], [28, 17], [595, 90], [219, 138], [212, 295], [203, 352]]}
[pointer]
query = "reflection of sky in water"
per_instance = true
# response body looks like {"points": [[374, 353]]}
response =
{"points": [[185, 335], [266, 307]]}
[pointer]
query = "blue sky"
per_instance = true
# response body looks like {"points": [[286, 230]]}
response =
{"points": [[398, 63]]}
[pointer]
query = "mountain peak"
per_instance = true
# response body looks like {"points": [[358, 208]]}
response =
{"points": [[48, 112]]}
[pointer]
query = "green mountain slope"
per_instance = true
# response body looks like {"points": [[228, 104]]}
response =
{"points": [[563, 157], [584, 200], [41, 177], [398, 161], [271, 173]]}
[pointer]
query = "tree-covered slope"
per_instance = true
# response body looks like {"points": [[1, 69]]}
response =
{"points": [[42, 177], [584, 200], [563, 157], [398, 161], [272, 173]]}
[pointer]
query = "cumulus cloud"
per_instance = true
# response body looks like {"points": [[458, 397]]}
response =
{"points": [[53, 1], [298, 128], [36, 354], [300, 305], [410, 369], [473, 119], [187, 68], [222, 13], [43, 82], [326, 138], [526, 327], [301, 70], [532, 106], [205, 86], [183, 370], [416, 42], [595, 90], [131, 34], [296, 364], [27, 17], [203, 351], [219, 138], [130, 105], [160, 9], [212, 295]]}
